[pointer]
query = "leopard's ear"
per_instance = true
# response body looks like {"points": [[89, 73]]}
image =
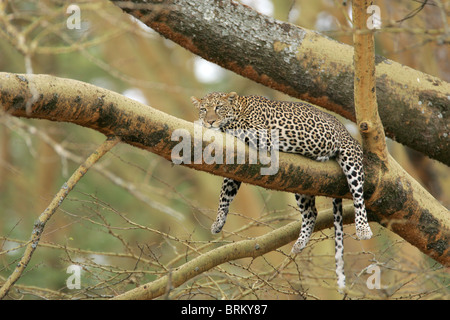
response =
{"points": [[195, 101], [232, 96]]}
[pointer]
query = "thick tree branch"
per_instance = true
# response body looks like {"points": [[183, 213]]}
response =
{"points": [[414, 106], [58, 99], [393, 198]]}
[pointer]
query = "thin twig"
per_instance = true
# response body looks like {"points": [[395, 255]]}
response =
{"points": [[45, 216]]}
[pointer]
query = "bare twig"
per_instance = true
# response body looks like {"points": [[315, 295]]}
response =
{"points": [[241, 249], [45, 216], [415, 11]]}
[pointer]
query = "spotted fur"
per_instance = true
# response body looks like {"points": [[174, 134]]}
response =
{"points": [[302, 129]]}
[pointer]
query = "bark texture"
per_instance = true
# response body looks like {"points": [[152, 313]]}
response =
{"points": [[413, 106], [393, 198]]}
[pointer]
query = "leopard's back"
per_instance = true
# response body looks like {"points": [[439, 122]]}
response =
{"points": [[302, 128]]}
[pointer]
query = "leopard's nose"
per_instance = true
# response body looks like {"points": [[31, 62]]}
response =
{"points": [[210, 122]]}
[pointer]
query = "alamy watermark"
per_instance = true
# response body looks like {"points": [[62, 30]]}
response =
{"points": [[74, 281], [213, 153], [374, 280], [74, 20], [374, 21]]}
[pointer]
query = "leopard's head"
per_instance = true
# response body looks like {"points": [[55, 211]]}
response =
{"points": [[217, 109]]}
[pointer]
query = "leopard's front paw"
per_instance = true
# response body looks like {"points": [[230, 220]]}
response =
{"points": [[299, 245]]}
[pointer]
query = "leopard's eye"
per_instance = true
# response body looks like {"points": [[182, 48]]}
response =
{"points": [[218, 108], [202, 109]]}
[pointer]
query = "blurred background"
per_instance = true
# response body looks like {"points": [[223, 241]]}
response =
{"points": [[135, 216]]}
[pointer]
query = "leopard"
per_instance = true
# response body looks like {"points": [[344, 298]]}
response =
{"points": [[302, 129]]}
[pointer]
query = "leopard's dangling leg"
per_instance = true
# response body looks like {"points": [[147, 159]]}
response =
{"points": [[350, 158], [307, 206], [229, 190], [339, 242], [308, 209]]}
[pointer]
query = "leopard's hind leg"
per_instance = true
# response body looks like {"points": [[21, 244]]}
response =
{"points": [[350, 158], [308, 210], [307, 206], [229, 190]]}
